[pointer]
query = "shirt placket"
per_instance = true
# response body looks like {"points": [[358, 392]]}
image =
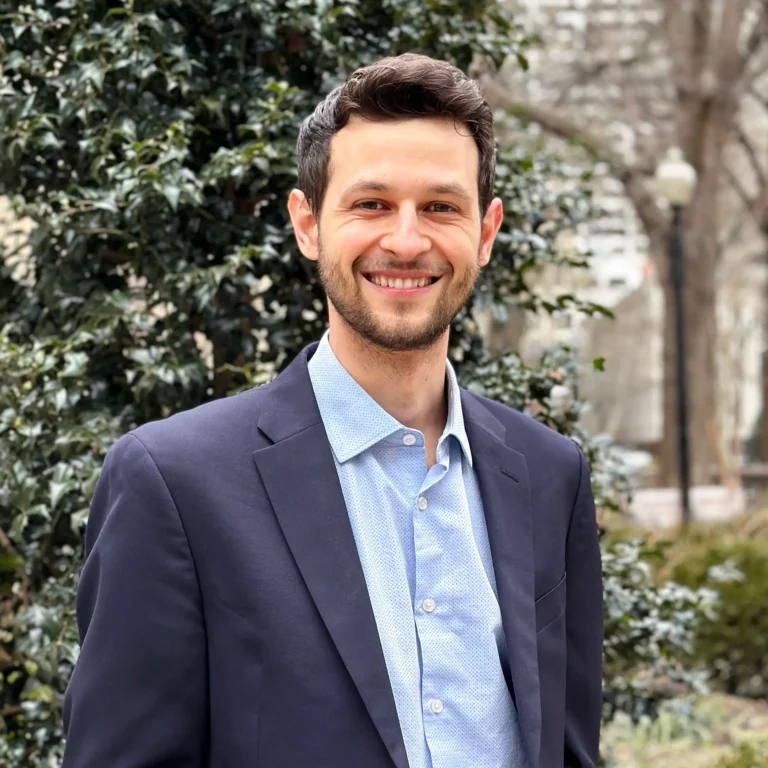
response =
{"points": [[432, 601]]}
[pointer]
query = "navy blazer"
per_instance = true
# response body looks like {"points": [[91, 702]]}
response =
{"points": [[224, 615]]}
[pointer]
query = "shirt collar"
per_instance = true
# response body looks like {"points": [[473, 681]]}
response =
{"points": [[454, 424], [354, 421]]}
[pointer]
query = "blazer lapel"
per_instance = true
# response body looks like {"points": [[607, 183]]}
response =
{"points": [[300, 477], [502, 475]]}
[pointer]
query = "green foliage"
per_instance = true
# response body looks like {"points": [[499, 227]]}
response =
{"points": [[732, 646], [650, 630], [163, 134], [53, 436], [746, 756]]}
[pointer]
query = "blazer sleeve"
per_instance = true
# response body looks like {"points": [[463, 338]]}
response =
{"points": [[584, 631], [137, 697]]}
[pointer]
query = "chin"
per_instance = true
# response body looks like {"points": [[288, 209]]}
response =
{"points": [[399, 339]]}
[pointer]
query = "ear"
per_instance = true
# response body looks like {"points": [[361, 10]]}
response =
{"points": [[304, 224], [490, 228]]}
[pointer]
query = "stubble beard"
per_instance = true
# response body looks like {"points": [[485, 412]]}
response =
{"points": [[403, 334]]}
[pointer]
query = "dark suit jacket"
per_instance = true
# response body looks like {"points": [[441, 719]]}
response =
{"points": [[223, 611]]}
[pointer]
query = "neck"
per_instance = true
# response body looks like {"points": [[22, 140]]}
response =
{"points": [[410, 386]]}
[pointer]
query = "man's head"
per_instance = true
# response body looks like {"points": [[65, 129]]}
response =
{"points": [[395, 198]]}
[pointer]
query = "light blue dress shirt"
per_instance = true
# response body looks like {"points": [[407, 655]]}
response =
{"points": [[424, 550]]}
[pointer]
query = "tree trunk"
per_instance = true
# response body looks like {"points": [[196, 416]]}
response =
{"points": [[764, 417], [704, 121], [762, 213]]}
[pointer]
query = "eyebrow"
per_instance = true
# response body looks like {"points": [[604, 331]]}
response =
{"points": [[453, 189]]}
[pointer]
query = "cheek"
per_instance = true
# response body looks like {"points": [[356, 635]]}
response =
{"points": [[461, 249], [354, 240]]}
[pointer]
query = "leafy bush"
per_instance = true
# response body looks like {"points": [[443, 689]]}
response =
{"points": [[649, 633], [746, 756], [734, 645]]}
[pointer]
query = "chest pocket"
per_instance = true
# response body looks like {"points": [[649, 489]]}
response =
{"points": [[551, 605]]}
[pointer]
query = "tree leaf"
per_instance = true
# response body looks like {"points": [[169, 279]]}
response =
{"points": [[172, 194]]}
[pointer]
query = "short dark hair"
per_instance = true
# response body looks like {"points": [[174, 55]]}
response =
{"points": [[396, 88]]}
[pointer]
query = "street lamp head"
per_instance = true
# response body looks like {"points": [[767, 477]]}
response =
{"points": [[676, 178]]}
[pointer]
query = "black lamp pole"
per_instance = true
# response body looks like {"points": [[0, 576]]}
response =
{"points": [[676, 275]]}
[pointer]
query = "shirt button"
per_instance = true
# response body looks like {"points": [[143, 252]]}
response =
{"points": [[436, 706], [422, 503], [409, 439], [428, 605]]}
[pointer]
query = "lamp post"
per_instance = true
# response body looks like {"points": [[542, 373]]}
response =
{"points": [[676, 182]]}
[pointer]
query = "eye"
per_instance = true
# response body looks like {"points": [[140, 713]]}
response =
{"points": [[441, 207], [369, 205]]}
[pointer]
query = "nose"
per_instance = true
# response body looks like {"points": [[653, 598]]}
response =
{"points": [[405, 239]]}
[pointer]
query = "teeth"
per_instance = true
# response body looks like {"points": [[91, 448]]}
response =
{"points": [[398, 282]]}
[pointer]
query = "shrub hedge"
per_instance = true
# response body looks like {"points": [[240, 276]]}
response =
{"points": [[733, 646], [746, 756]]}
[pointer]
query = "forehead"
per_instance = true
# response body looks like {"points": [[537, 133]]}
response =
{"points": [[425, 150]]}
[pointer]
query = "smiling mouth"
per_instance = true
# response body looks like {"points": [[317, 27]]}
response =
{"points": [[400, 283]]}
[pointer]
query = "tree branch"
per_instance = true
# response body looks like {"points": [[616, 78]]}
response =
{"points": [[757, 209], [752, 155], [757, 73], [749, 203], [597, 147], [757, 36], [757, 96], [761, 211], [732, 237], [678, 36], [729, 64], [701, 34], [588, 73]]}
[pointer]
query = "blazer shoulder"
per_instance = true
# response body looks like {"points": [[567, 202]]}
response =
{"points": [[207, 428]]}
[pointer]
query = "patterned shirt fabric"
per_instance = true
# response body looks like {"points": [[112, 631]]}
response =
{"points": [[423, 545]]}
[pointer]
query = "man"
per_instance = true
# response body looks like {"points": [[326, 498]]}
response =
{"points": [[358, 565]]}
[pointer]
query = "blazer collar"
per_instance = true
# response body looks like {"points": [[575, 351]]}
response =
{"points": [[300, 478], [291, 402], [502, 475]]}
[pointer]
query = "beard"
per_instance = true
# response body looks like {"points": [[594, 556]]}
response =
{"points": [[400, 330]]}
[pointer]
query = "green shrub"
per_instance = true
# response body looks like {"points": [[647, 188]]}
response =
{"points": [[734, 645], [745, 756], [650, 631]]}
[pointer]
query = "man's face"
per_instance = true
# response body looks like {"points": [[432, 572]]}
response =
{"points": [[400, 239]]}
